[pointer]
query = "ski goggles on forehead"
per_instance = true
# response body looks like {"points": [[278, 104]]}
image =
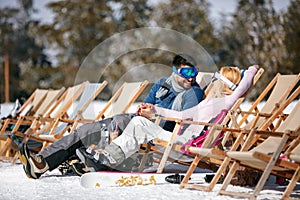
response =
{"points": [[190, 72], [218, 76]]}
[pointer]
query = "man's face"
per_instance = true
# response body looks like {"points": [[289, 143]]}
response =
{"points": [[183, 82]]}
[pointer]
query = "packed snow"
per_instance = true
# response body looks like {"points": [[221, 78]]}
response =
{"points": [[53, 185]]}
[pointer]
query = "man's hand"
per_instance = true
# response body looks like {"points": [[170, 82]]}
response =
{"points": [[145, 110]]}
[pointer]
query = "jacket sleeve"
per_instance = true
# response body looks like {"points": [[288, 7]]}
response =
{"points": [[185, 114]]}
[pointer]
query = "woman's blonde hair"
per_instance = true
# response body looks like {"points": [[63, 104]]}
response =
{"points": [[233, 74], [218, 88]]}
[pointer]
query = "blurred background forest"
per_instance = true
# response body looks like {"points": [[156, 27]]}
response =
{"points": [[254, 34]]}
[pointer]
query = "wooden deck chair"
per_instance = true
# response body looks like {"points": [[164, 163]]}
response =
{"points": [[293, 154], [60, 126], [61, 110], [263, 156], [203, 79], [51, 97], [121, 101], [170, 144], [28, 108], [31, 121], [58, 111], [220, 155], [277, 85], [278, 89]]}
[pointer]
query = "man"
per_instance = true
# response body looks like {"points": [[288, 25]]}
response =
{"points": [[177, 92]]}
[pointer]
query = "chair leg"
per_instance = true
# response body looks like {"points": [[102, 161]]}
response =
{"points": [[269, 167], [5, 147], [190, 171], [168, 150], [144, 158], [292, 184], [218, 174], [15, 158], [229, 177]]}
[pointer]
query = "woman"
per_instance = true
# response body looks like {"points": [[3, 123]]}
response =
{"points": [[221, 94]]}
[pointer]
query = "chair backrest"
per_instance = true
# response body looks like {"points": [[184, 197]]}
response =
{"points": [[91, 91], [291, 123], [49, 101], [281, 86], [295, 153], [68, 98], [280, 110], [122, 99], [33, 102], [203, 79], [59, 110]]}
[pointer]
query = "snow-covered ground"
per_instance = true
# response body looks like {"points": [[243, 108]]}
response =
{"points": [[15, 185], [52, 185]]}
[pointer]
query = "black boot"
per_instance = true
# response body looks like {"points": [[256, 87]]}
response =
{"points": [[176, 178], [34, 165]]}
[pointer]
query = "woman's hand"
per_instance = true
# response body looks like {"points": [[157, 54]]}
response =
{"points": [[146, 110], [256, 66]]}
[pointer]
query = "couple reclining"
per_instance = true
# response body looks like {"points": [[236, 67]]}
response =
{"points": [[220, 94]]}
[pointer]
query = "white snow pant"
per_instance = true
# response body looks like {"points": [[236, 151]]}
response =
{"points": [[139, 131]]}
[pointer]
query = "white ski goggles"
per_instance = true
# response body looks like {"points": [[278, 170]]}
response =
{"points": [[218, 76]]}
